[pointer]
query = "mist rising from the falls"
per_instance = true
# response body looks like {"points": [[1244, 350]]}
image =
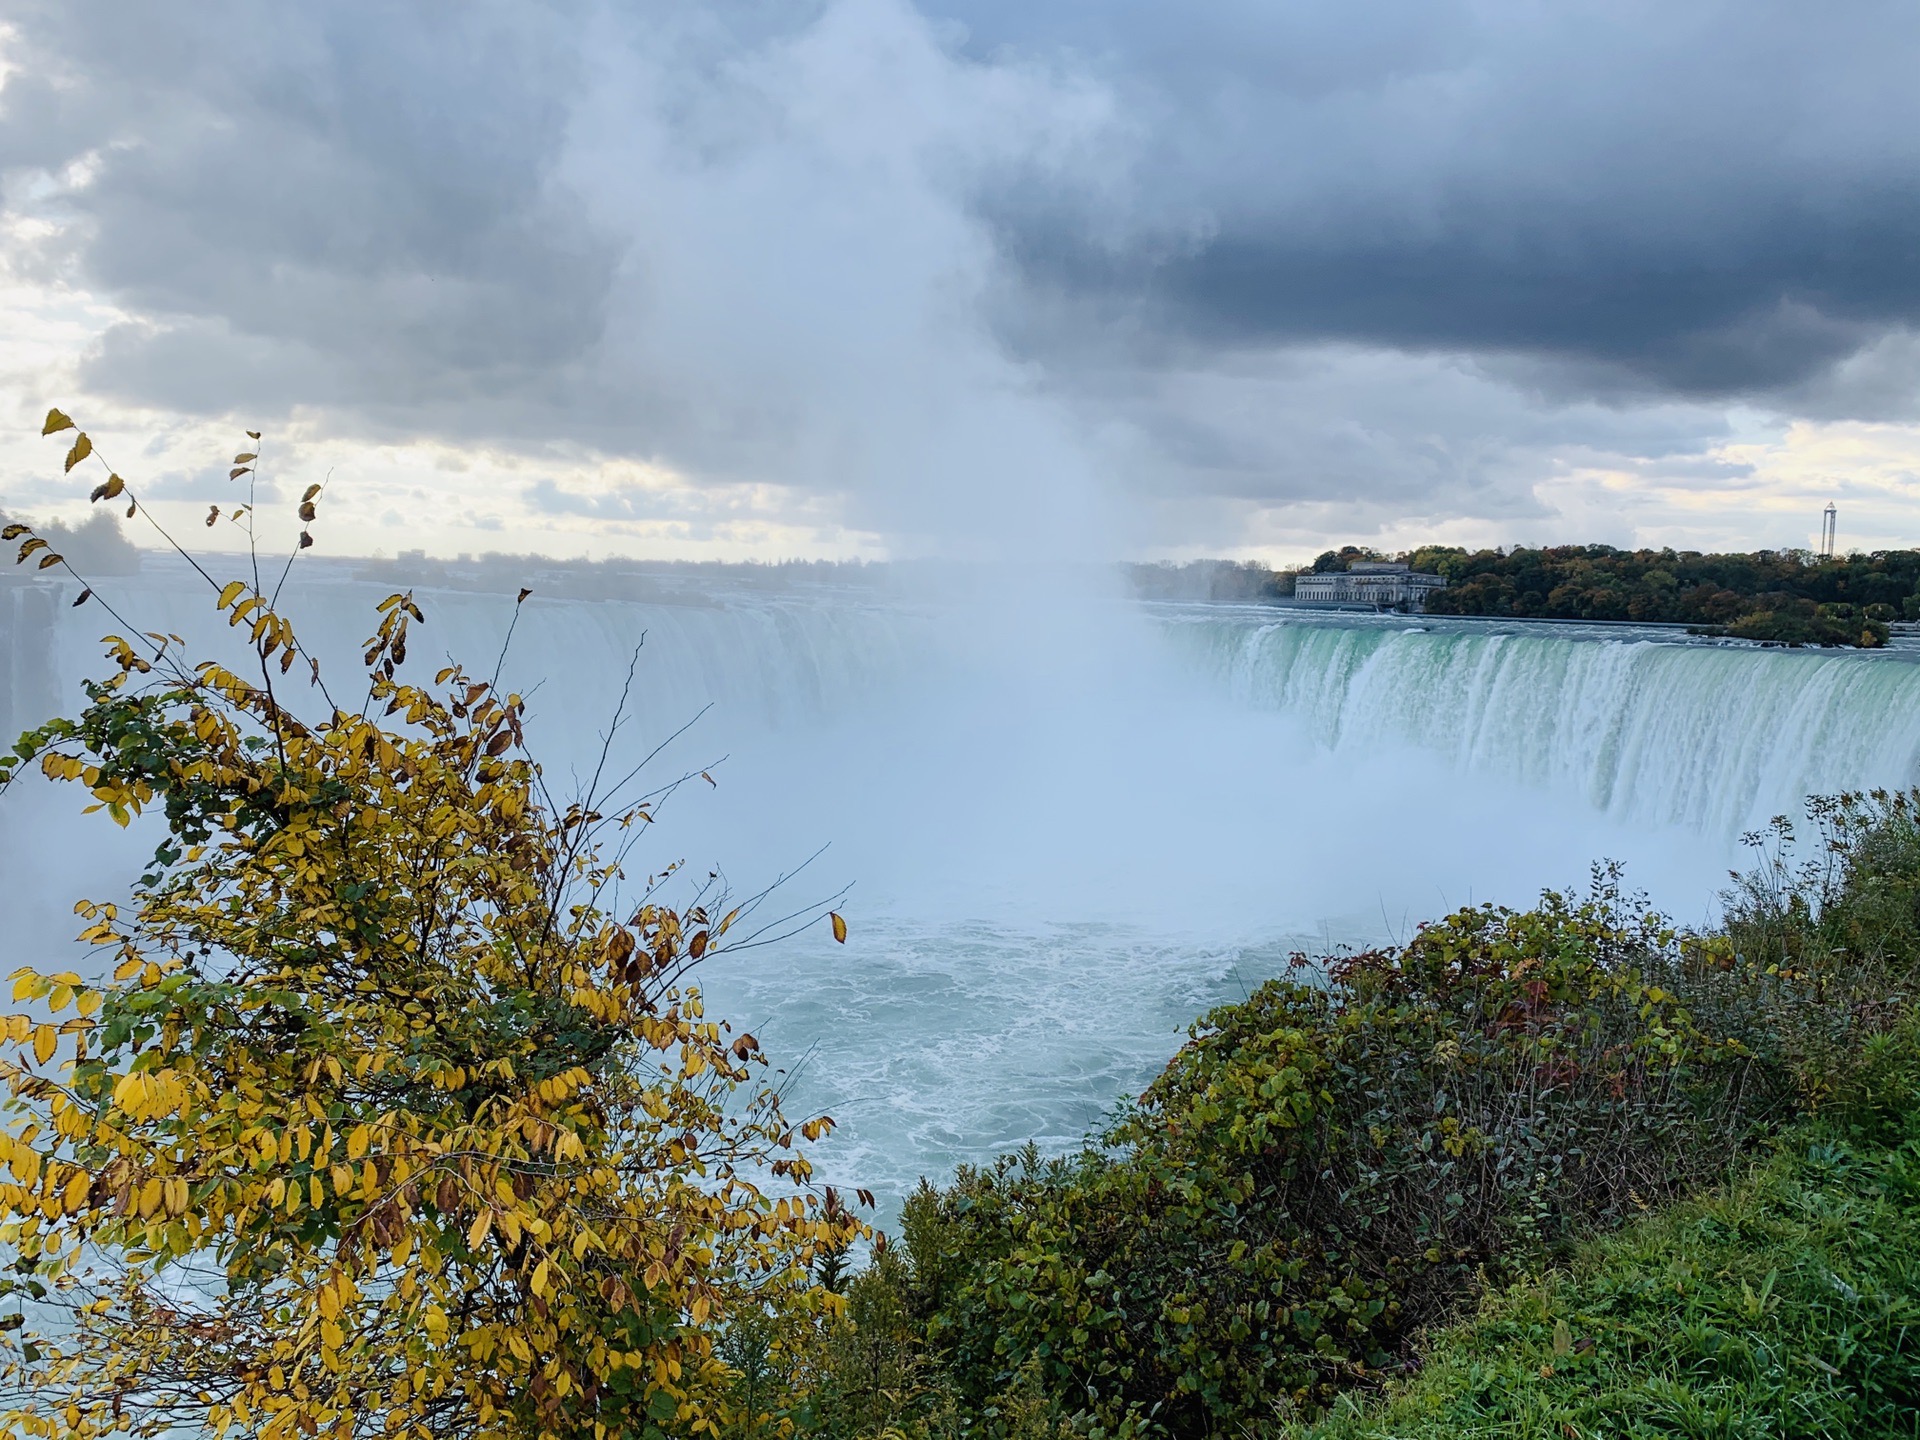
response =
{"points": [[998, 743]]}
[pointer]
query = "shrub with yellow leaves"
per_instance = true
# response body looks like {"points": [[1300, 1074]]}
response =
{"points": [[398, 1115]]}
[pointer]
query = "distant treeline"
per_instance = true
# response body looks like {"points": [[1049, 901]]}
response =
{"points": [[1778, 595], [1786, 596]]}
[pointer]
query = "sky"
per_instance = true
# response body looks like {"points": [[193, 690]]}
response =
{"points": [[867, 278]]}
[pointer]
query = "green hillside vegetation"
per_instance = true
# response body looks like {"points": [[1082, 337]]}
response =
{"points": [[1781, 596], [1787, 1304], [1278, 1233]]}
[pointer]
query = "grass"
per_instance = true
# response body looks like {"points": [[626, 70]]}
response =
{"points": [[1785, 1305]]}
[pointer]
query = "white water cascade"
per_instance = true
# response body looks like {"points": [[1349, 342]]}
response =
{"points": [[1636, 723], [1070, 828]]}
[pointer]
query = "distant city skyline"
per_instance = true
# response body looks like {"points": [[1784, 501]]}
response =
{"points": [[865, 278]]}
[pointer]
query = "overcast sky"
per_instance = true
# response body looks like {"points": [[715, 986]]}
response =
{"points": [[859, 277]]}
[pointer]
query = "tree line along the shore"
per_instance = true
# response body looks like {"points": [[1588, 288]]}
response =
{"points": [[1787, 597], [1779, 596]]}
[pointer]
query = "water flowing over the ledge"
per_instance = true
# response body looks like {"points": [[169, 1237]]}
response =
{"points": [[1071, 832], [1634, 723]]}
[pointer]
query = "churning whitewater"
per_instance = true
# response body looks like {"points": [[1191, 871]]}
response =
{"points": [[1069, 826]]}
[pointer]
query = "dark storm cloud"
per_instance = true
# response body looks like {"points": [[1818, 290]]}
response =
{"points": [[351, 202], [1704, 198], [1269, 252], [731, 238]]}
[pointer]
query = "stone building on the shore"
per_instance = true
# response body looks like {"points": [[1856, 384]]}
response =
{"points": [[1385, 585]]}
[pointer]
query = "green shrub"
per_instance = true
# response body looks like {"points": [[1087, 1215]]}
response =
{"points": [[1828, 945], [1353, 1156], [1333, 1164], [871, 1377], [1789, 621], [1787, 1305]]}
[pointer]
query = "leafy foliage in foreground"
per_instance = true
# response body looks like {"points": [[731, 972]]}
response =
{"points": [[1328, 1167], [1328, 1171], [397, 1116], [1786, 1306]]}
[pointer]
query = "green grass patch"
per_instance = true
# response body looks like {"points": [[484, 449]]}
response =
{"points": [[1786, 1305]]}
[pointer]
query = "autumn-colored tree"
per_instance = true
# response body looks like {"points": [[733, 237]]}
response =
{"points": [[397, 1115]]}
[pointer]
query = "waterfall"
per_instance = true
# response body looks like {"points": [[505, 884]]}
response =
{"points": [[767, 661], [1069, 833], [1713, 738], [1716, 738]]}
